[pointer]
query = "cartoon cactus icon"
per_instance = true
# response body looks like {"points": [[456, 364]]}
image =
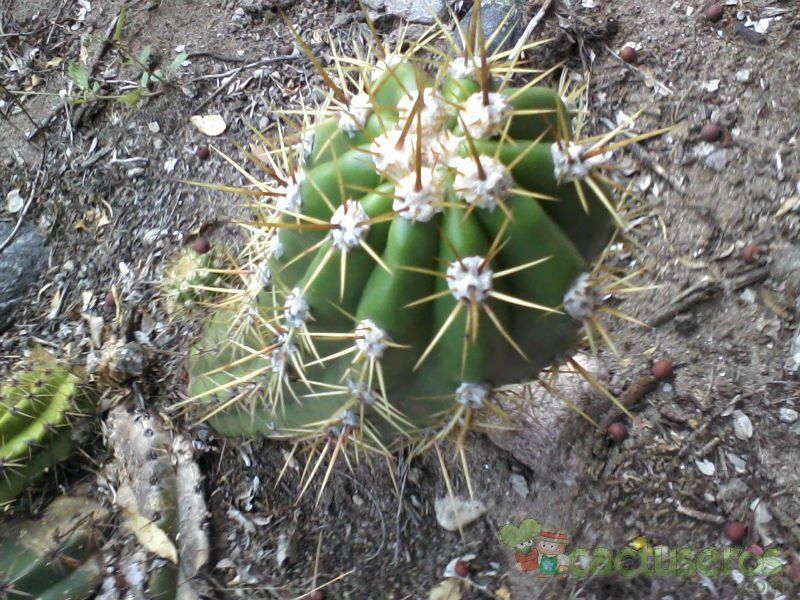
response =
{"points": [[38, 414], [426, 241], [58, 555]]}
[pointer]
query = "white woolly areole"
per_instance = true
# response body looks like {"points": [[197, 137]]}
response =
{"points": [[483, 193], [468, 281], [568, 161], [580, 300], [390, 62], [275, 247], [371, 340], [350, 418], [353, 118], [362, 393], [282, 353], [265, 275], [474, 395], [435, 112], [292, 199], [296, 308], [350, 225], [390, 161], [307, 142], [420, 204], [484, 121], [464, 68]]}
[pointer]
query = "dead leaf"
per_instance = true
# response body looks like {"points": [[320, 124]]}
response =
{"points": [[211, 125], [149, 534], [449, 589], [503, 593]]}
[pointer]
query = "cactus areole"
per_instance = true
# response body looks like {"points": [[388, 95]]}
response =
{"points": [[419, 257]]}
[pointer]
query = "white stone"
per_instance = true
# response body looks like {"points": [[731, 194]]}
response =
{"points": [[415, 11], [788, 415], [742, 426], [454, 513]]}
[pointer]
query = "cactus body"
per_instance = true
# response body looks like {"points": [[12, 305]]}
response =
{"points": [[56, 556], [420, 259], [158, 484], [37, 415]]}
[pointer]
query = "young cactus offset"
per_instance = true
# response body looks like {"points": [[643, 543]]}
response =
{"points": [[421, 253], [38, 410]]}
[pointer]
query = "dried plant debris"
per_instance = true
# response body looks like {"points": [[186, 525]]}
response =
{"points": [[162, 545]]}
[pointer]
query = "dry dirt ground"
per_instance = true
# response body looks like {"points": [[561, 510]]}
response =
{"points": [[113, 211]]}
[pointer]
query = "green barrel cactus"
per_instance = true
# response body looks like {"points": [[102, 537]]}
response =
{"points": [[38, 413], [57, 556], [430, 244]]}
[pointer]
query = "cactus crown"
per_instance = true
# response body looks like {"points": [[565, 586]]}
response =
{"points": [[424, 238]]}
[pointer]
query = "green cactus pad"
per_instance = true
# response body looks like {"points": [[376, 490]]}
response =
{"points": [[420, 257], [56, 556], [38, 411]]}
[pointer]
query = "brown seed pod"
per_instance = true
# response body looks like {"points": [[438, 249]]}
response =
{"points": [[461, 568], [201, 245], [751, 253], [735, 531], [715, 12], [629, 54], [662, 370], [617, 432], [203, 152], [711, 132]]}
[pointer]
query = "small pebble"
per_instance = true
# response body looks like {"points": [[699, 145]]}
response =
{"points": [[201, 245], [629, 54], [711, 132], [617, 432], [203, 152], [735, 531], [751, 253], [287, 49], [662, 370], [462, 569], [714, 12], [788, 415]]}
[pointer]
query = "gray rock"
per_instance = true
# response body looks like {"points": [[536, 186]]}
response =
{"points": [[21, 263], [502, 19], [414, 11], [717, 160]]}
